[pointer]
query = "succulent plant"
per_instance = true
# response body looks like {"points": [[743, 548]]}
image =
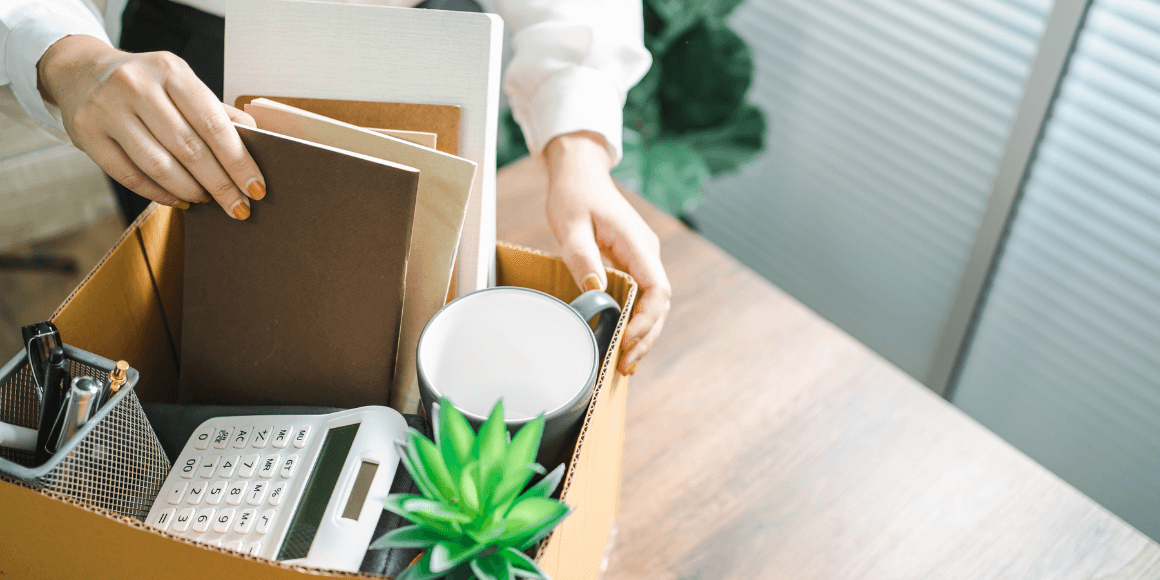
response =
{"points": [[474, 519]]}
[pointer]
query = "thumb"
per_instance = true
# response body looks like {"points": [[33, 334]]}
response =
{"points": [[582, 256]]}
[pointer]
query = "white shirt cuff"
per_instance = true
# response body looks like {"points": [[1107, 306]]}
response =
{"points": [[577, 98], [39, 26]]}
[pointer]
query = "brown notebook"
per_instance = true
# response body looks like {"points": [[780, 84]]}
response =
{"points": [[442, 120], [300, 303]]}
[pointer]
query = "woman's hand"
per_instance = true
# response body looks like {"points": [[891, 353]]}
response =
{"points": [[589, 216], [151, 124]]}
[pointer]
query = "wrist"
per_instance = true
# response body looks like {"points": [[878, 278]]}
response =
{"points": [[66, 61], [582, 150]]}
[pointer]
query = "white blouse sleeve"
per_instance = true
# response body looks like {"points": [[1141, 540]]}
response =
{"points": [[572, 66], [27, 29]]}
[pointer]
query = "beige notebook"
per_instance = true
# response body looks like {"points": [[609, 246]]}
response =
{"points": [[440, 205], [416, 137]]}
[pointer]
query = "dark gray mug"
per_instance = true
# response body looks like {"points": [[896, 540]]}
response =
{"points": [[527, 347]]}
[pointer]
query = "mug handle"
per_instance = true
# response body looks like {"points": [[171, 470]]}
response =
{"points": [[595, 302]]}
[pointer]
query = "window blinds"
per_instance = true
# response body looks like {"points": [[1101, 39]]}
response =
{"points": [[887, 122], [1065, 359]]}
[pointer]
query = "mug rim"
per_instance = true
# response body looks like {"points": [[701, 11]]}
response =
{"points": [[548, 415]]}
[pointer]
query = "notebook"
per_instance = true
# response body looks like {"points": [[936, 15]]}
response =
{"points": [[300, 303], [360, 52], [439, 120], [444, 185]]}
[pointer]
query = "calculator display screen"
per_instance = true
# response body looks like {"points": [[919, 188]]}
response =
{"points": [[319, 488]]}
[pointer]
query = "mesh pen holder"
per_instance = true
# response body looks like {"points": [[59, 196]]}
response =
{"points": [[113, 462]]}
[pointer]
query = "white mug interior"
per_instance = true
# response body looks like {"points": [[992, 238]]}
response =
{"points": [[528, 348]]}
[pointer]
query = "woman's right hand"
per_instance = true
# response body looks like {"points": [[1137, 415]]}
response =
{"points": [[151, 124]]}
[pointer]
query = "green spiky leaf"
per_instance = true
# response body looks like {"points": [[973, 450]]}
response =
{"points": [[469, 488], [490, 447], [408, 537], [451, 553], [493, 567], [522, 565], [432, 462], [520, 464], [528, 518], [456, 438], [547, 484]]}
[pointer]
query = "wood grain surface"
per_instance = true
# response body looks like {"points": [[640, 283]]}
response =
{"points": [[764, 442]]}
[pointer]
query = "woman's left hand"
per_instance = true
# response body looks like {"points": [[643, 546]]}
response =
{"points": [[589, 217]]}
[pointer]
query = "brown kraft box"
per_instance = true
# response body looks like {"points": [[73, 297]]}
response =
{"points": [[128, 308]]}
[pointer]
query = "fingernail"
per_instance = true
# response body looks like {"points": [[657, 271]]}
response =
{"points": [[632, 368], [181, 204], [630, 345], [256, 189], [206, 198], [592, 282], [241, 209]]}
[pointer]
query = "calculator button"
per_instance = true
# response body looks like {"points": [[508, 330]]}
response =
{"points": [[301, 437], [289, 467], [208, 464], [221, 524], [262, 437], [214, 543], [196, 493], [257, 493], [237, 492], [269, 464], [242, 437], [253, 548], [248, 465], [235, 545], [203, 519], [245, 521], [277, 492], [265, 521], [164, 518], [229, 464], [176, 493], [216, 492], [282, 436], [202, 440], [190, 466], [183, 519], [222, 438]]}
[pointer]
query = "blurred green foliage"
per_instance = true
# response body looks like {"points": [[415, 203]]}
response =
{"points": [[687, 120]]}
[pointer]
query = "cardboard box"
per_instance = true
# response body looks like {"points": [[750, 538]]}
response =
{"points": [[129, 308]]}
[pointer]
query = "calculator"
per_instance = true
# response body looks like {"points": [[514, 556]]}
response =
{"points": [[302, 489]]}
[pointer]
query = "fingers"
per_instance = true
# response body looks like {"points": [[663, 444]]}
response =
{"points": [[647, 321], [109, 156], [210, 120], [239, 116], [186, 146], [155, 160], [582, 255]]}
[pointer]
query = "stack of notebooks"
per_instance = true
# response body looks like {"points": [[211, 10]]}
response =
{"points": [[320, 296], [377, 141]]}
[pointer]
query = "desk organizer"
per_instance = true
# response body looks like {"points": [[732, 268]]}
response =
{"points": [[114, 462]]}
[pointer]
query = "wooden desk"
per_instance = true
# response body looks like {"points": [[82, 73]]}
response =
{"points": [[764, 442]]}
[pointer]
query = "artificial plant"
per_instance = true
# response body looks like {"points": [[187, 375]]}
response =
{"points": [[474, 518], [687, 120]]}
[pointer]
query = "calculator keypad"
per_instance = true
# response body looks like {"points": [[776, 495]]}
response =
{"points": [[239, 486]]}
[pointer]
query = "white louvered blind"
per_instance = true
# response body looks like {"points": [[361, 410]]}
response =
{"points": [[1065, 361], [887, 123]]}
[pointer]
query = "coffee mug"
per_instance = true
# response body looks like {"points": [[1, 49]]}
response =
{"points": [[529, 348]]}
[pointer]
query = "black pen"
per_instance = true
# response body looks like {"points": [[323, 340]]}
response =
{"points": [[55, 386]]}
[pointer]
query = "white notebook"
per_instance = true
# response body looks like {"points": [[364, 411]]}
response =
{"points": [[364, 52]]}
